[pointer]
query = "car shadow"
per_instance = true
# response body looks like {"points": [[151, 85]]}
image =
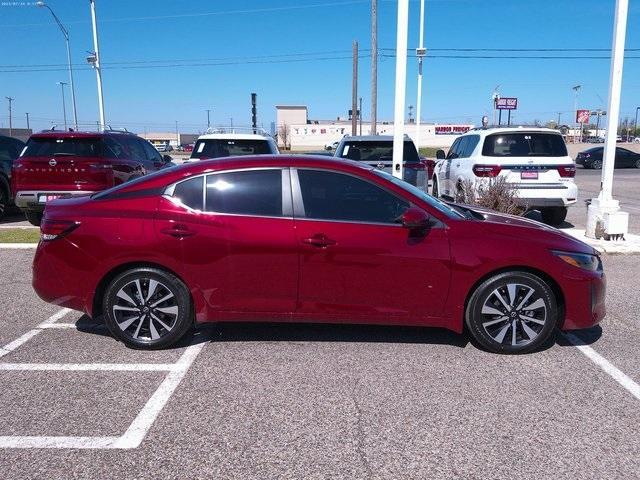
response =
{"points": [[586, 336], [537, 216]]}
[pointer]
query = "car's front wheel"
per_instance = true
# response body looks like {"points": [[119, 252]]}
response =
{"points": [[512, 312], [147, 308], [596, 164]]}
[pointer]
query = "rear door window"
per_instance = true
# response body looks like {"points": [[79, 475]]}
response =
{"points": [[252, 192], [190, 192], [525, 144], [51, 146], [214, 148], [133, 148], [373, 151]]}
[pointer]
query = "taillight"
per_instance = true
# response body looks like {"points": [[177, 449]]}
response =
{"points": [[567, 171], [486, 170], [54, 229]]}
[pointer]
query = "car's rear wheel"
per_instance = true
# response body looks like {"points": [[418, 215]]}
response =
{"points": [[34, 218], [147, 308], [553, 216], [638, 163], [596, 164], [512, 312]]}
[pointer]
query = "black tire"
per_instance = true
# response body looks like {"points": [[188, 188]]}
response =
{"points": [[637, 165], [4, 197], [434, 188], [34, 218], [596, 164], [553, 216], [147, 323], [486, 328]]}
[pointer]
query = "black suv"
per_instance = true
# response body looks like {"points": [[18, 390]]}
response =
{"points": [[10, 149]]}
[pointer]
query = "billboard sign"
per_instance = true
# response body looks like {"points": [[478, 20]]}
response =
{"points": [[451, 129], [507, 103], [582, 116]]}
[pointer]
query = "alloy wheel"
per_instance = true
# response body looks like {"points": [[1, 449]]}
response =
{"points": [[514, 314], [145, 309]]}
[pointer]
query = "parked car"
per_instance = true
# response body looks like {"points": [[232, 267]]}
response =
{"points": [[226, 142], [10, 149], [188, 147], [56, 164], [331, 145], [593, 139], [377, 151], [636, 140], [163, 147], [592, 158], [533, 160], [313, 239]]}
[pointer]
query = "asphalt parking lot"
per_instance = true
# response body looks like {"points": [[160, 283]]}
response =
{"points": [[313, 401]]}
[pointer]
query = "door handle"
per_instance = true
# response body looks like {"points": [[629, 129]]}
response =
{"points": [[457, 164], [178, 231], [320, 240]]}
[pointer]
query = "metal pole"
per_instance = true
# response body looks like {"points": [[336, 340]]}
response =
{"points": [[208, 119], [360, 115], [10, 117], [419, 100], [97, 63], [559, 115], [28, 127], [73, 90], [635, 124], [576, 89], [374, 66], [177, 135], [254, 112], [64, 108], [508, 118], [354, 91], [500, 117], [613, 110], [401, 84]]}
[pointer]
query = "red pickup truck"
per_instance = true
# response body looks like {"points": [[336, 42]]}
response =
{"points": [[61, 164]]}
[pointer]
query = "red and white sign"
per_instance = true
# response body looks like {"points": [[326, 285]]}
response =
{"points": [[582, 116], [451, 129]]}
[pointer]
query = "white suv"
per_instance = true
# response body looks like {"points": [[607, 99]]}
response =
{"points": [[533, 160], [233, 141]]}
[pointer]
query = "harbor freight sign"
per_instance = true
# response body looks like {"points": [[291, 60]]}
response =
{"points": [[451, 129], [507, 103], [582, 116]]}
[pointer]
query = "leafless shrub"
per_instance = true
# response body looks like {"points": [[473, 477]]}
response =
{"points": [[494, 194]]}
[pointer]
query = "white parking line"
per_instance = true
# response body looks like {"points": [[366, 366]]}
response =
{"points": [[56, 442], [11, 346], [89, 367], [632, 387], [55, 317]]}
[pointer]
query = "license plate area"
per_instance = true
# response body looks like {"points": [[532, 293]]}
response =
{"points": [[47, 197], [528, 175]]}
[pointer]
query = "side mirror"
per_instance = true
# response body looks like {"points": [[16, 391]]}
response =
{"points": [[440, 155], [414, 218], [167, 159]]}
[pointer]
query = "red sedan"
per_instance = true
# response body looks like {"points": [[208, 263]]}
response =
{"points": [[313, 239]]}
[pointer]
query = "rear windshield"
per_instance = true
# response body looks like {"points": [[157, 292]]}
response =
{"points": [[377, 150], [78, 147], [524, 145], [214, 148]]}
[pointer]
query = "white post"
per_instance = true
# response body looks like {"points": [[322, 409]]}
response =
{"points": [[97, 64], [401, 84], [420, 57], [604, 217]]}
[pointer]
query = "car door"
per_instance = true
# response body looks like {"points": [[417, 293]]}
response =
{"points": [[357, 263], [154, 159], [234, 233]]}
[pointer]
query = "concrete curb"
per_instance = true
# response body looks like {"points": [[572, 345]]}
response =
{"points": [[630, 245], [17, 246]]}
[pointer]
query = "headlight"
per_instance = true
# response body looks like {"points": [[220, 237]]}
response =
{"points": [[581, 260]]}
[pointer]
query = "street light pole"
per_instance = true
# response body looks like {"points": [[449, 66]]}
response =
{"points": [[604, 217], [65, 33], [576, 90], [10, 117], [374, 67], [64, 108], [28, 127], [420, 53], [635, 124], [401, 85], [208, 119], [96, 63]]}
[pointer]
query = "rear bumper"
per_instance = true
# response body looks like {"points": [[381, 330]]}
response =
{"points": [[29, 199], [551, 195]]}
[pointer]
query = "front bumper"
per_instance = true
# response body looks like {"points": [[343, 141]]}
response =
{"points": [[32, 199], [584, 301]]}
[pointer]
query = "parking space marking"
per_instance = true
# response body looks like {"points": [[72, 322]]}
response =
{"points": [[11, 346], [59, 325], [56, 442], [55, 317], [91, 367], [632, 387]]}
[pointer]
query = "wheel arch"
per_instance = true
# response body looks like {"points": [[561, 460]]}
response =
{"points": [[98, 294], [553, 284]]}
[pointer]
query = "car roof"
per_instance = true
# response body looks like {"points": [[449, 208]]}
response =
{"points": [[232, 136], [371, 138], [78, 134], [518, 129]]}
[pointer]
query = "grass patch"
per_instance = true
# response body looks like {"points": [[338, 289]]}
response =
{"points": [[19, 235], [428, 151]]}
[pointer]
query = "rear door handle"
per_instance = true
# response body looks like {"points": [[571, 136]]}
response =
{"points": [[178, 231], [319, 240]]}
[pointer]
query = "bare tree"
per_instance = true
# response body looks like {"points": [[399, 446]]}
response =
{"points": [[284, 136]]}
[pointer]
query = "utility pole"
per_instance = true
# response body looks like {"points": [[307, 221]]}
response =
{"points": [[374, 66], [401, 85], [28, 127], [95, 61], [354, 91], [360, 115], [208, 119], [420, 53], [604, 217], [559, 115], [11, 99], [254, 112], [64, 107], [576, 90], [177, 135], [635, 124]]}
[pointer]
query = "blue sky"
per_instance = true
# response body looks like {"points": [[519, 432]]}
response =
{"points": [[173, 32]]}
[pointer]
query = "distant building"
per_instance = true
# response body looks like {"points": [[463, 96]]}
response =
{"points": [[170, 138], [19, 133]]}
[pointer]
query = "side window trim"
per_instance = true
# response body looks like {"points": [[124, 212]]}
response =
{"points": [[298, 202]]}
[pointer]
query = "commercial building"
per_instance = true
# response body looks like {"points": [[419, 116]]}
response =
{"points": [[19, 133], [170, 138]]}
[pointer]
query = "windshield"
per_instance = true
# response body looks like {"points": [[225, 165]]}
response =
{"points": [[377, 150], [525, 144], [214, 148], [77, 147], [434, 202]]}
